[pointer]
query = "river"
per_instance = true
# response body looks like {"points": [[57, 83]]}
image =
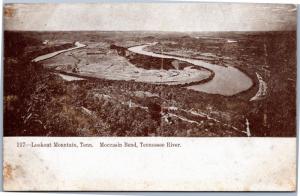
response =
{"points": [[227, 80], [52, 54]]}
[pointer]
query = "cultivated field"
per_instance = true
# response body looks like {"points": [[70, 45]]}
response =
{"points": [[98, 60]]}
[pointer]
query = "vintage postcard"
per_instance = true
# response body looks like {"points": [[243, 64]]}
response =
{"points": [[149, 97]]}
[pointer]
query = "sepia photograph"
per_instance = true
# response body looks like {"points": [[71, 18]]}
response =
{"points": [[149, 96], [160, 69]]}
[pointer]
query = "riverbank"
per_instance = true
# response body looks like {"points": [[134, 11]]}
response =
{"points": [[53, 54], [224, 81]]}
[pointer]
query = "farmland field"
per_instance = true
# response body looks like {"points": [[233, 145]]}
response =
{"points": [[150, 84]]}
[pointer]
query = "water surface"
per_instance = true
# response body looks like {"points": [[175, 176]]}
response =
{"points": [[227, 80]]}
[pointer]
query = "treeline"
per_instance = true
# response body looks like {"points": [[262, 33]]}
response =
{"points": [[148, 62]]}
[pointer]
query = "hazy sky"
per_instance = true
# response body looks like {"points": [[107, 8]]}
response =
{"points": [[151, 16]]}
